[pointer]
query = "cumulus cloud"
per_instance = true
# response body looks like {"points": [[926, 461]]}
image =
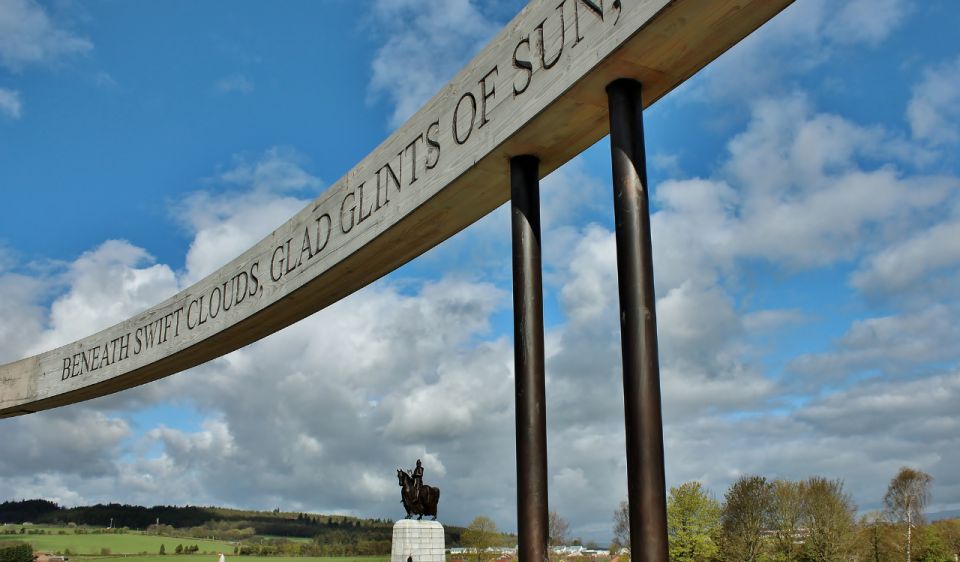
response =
{"points": [[70, 441], [377, 380], [246, 202], [808, 191], [29, 36], [889, 344], [794, 191], [20, 303], [420, 56], [927, 257], [865, 21], [773, 319], [106, 285], [934, 109], [10, 103], [800, 39]]}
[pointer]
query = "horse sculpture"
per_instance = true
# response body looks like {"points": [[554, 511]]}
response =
{"points": [[422, 502]]}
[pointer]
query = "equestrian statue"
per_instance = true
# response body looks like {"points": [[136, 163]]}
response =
{"points": [[417, 498]]}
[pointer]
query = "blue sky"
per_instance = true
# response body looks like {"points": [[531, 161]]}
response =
{"points": [[806, 200]]}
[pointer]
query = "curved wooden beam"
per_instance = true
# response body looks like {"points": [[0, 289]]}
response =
{"points": [[537, 88]]}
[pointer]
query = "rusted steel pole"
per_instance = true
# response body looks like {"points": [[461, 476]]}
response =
{"points": [[638, 326], [531, 411]]}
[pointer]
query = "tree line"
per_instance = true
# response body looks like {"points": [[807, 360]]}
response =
{"points": [[333, 535], [199, 522], [812, 520]]}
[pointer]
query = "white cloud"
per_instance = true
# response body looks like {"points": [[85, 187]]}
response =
{"points": [[917, 259], [702, 359], [106, 285], [934, 109], [214, 440], [28, 36], [865, 21], [262, 194], [592, 270], [75, 440], [892, 345], [277, 170], [375, 381], [795, 191], [773, 319], [20, 297], [10, 103], [802, 38], [419, 56]]}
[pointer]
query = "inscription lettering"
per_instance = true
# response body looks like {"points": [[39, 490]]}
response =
{"points": [[360, 197], [96, 358], [596, 9], [456, 119], [433, 145], [343, 205], [412, 149], [522, 64], [485, 95], [543, 48], [385, 174]]}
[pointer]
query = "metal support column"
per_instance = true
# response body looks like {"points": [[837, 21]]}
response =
{"points": [[528, 360], [638, 326]]}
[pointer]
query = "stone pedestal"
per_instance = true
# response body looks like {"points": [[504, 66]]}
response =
{"points": [[421, 541]]}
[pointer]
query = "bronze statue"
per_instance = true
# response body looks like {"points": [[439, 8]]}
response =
{"points": [[417, 498]]}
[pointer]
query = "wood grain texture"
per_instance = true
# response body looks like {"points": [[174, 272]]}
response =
{"points": [[406, 196]]}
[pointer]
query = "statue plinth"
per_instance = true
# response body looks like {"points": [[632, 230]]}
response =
{"points": [[417, 541]]}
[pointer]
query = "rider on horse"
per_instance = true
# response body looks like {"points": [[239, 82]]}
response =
{"points": [[417, 478], [417, 497]]}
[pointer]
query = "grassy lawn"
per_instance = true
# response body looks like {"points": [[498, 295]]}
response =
{"points": [[127, 543]]}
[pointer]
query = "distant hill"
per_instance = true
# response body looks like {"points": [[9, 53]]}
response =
{"points": [[948, 514], [213, 522]]}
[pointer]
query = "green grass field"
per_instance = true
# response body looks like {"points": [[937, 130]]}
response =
{"points": [[86, 547], [126, 543]]}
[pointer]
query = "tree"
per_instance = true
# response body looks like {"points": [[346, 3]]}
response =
{"points": [[876, 541], [932, 547], [907, 495], [745, 511], [163, 549], [693, 520], [621, 525], [786, 518], [15, 551], [557, 529], [949, 530], [480, 535], [829, 520]]}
